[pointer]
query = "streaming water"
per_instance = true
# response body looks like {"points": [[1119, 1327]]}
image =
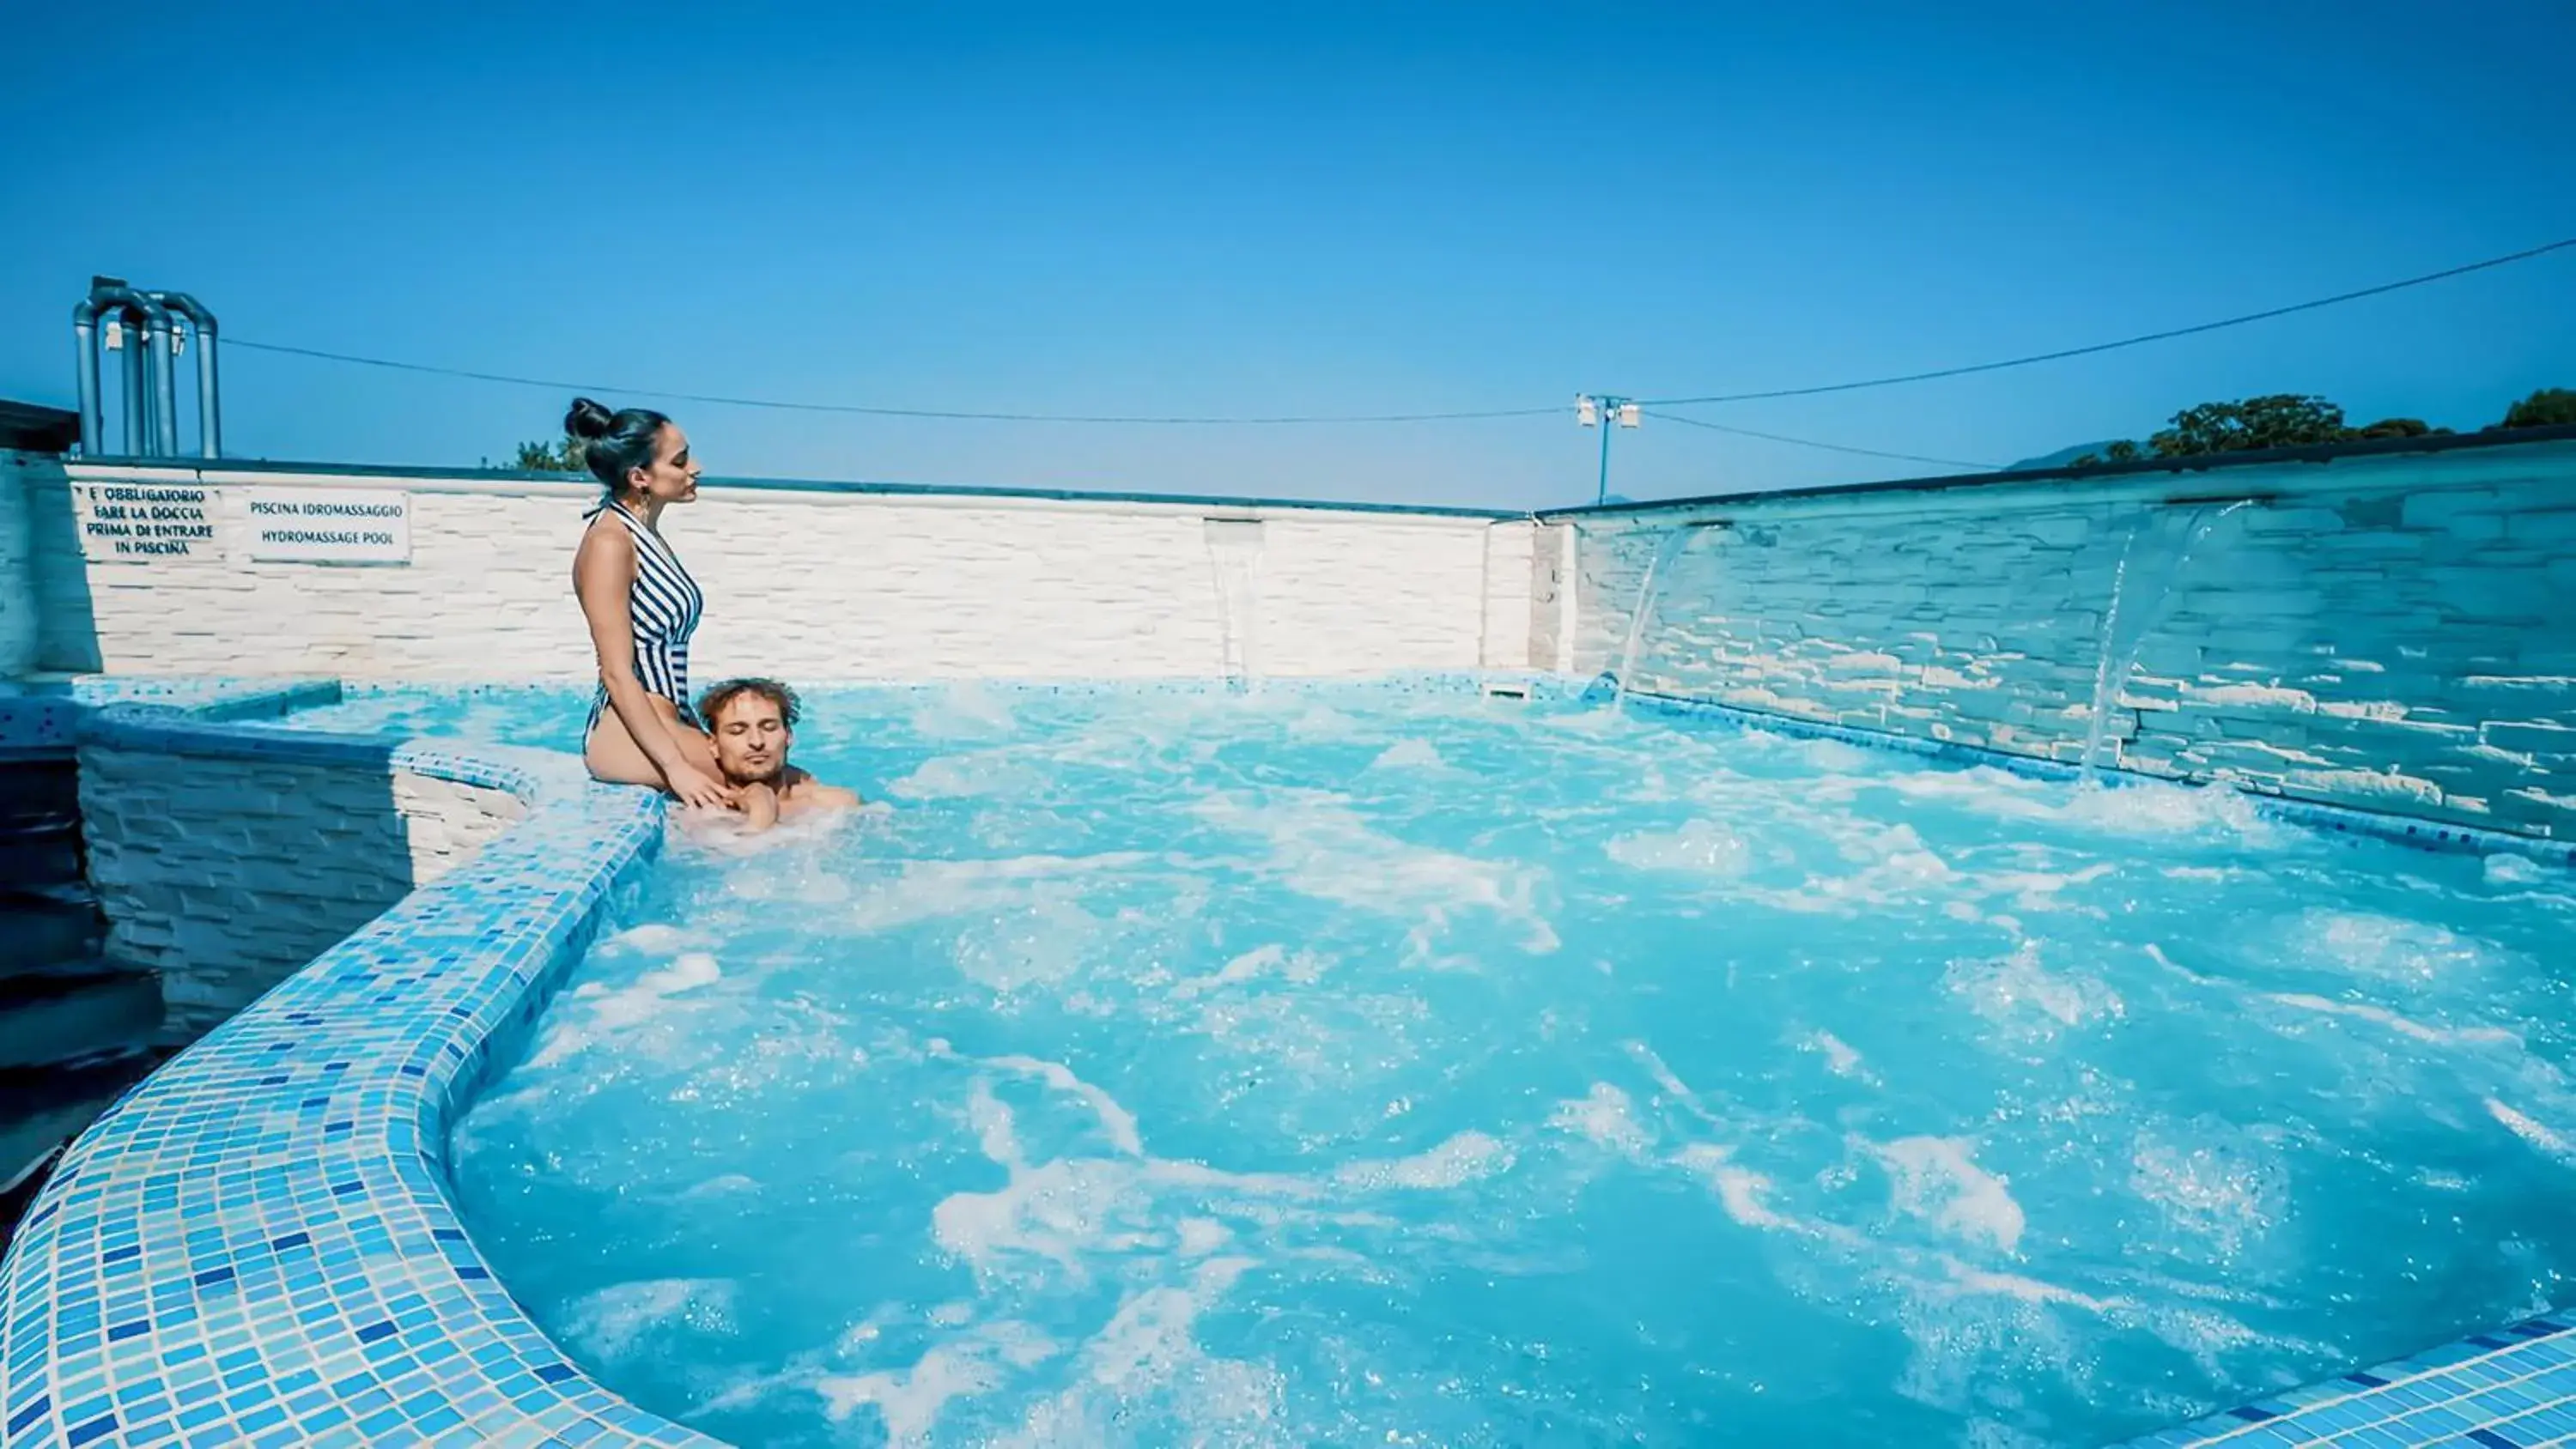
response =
{"points": [[1669, 545], [1363, 1067], [1234, 553], [2153, 559]]}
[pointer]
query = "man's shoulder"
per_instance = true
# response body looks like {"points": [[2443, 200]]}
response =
{"points": [[801, 788]]}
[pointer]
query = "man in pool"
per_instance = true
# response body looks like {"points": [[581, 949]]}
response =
{"points": [[752, 722]]}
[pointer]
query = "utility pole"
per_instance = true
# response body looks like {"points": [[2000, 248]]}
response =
{"points": [[1589, 409]]}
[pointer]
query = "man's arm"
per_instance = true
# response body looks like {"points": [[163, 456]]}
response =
{"points": [[754, 809]]}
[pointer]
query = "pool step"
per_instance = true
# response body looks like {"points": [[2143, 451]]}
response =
{"points": [[46, 1107], [54, 1018], [47, 933], [75, 1029], [40, 841]]}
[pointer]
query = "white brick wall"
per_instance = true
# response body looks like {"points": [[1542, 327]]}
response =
{"points": [[223, 876], [1508, 599], [810, 584]]}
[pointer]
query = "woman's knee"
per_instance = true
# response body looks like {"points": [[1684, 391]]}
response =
{"points": [[612, 770]]}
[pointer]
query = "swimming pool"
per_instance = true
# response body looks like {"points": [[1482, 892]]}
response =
{"points": [[1344, 1065]]}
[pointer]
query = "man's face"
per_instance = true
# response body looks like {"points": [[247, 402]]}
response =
{"points": [[751, 740]]}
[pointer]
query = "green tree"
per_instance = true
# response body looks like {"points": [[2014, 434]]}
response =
{"points": [[2276, 420], [558, 457], [2549, 407], [2122, 451]]}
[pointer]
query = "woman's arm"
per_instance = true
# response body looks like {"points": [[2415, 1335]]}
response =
{"points": [[603, 578]]}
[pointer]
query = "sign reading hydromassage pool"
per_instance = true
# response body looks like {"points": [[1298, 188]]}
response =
{"points": [[328, 525]]}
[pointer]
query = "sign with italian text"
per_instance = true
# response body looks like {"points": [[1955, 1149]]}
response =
{"points": [[145, 522], [327, 525]]}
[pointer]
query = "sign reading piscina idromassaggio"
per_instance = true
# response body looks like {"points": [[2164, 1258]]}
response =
{"points": [[147, 523], [329, 525]]}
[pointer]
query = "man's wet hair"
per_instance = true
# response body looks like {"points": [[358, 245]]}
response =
{"points": [[714, 700]]}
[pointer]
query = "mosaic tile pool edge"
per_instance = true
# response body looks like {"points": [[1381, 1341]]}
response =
{"points": [[42, 716], [256, 1244]]}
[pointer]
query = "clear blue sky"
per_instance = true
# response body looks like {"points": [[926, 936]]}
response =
{"points": [[1309, 208]]}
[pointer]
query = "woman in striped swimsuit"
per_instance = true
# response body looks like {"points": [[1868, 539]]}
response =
{"points": [[641, 606]]}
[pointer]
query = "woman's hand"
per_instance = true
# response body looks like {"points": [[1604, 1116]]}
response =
{"points": [[697, 789]]}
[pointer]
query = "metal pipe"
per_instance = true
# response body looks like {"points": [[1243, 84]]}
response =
{"points": [[151, 410], [163, 360], [210, 411], [138, 392], [85, 364]]}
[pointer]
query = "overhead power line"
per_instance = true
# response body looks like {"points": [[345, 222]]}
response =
{"points": [[2138, 341], [951, 414], [1464, 415], [1812, 443]]}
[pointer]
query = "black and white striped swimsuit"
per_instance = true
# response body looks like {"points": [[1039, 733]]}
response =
{"points": [[665, 605]]}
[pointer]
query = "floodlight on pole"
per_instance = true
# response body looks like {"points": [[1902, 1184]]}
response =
{"points": [[1589, 410]]}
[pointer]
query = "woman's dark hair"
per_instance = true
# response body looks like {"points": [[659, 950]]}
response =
{"points": [[614, 444]]}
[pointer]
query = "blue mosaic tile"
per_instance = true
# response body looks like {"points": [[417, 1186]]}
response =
{"points": [[42, 716], [272, 1203]]}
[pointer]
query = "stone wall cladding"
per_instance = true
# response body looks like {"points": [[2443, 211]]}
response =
{"points": [[224, 876], [818, 585], [2388, 633]]}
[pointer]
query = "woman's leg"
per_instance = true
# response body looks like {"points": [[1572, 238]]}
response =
{"points": [[614, 758]]}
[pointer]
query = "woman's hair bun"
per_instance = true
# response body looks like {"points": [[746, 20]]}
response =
{"points": [[588, 419]]}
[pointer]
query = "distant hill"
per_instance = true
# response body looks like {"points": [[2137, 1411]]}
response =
{"points": [[2061, 457]]}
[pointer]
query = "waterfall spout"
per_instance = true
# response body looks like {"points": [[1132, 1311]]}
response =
{"points": [[1234, 554], [1672, 544], [2153, 559]]}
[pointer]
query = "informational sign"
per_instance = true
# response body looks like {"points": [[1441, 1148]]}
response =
{"points": [[327, 525], [146, 522]]}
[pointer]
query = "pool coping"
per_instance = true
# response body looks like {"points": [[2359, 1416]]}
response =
{"points": [[257, 1243]]}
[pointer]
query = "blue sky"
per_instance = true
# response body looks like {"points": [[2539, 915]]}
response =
{"points": [[1301, 208]]}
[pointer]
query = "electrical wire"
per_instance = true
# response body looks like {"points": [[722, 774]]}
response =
{"points": [[950, 414], [1812, 443], [2140, 340], [1280, 420]]}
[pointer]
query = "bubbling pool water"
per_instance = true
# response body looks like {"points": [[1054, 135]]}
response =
{"points": [[1341, 1067]]}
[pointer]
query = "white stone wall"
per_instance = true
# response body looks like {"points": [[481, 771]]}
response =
{"points": [[2391, 632], [1553, 595], [1508, 596], [223, 876], [810, 584]]}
